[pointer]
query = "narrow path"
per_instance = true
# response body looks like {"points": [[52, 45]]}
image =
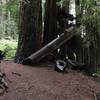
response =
{"points": [[43, 83]]}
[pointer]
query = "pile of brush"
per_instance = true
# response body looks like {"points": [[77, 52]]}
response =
{"points": [[3, 84]]}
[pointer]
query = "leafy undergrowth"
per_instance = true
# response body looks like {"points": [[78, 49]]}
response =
{"points": [[98, 72], [10, 46]]}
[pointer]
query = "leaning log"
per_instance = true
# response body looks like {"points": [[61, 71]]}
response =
{"points": [[53, 45]]}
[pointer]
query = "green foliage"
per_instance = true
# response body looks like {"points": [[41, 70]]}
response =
{"points": [[90, 19], [10, 46], [11, 29], [91, 14], [13, 7], [98, 71], [9, 26], [62, 3]]}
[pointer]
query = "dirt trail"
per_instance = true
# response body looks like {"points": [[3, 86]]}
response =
{"points": [[43, 83]]}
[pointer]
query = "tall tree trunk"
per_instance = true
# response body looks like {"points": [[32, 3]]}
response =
{"points": [[50, 23], [98, 49], [1, 30], [50, 19], [0, 12], [92, 68], [78, 48], [92, 60], [30, 29], [62, 52]]}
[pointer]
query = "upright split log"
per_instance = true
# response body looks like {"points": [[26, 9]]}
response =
{"points": [[53, 45]]}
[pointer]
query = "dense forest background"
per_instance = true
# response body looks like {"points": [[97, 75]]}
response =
{"points": [[33, 24]]}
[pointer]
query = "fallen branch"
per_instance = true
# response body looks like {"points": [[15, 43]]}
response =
{"points": [[50, 47], [15, 73]]}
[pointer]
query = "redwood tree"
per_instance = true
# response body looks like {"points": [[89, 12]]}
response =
{"points": [[50, 19], [30, 29]]}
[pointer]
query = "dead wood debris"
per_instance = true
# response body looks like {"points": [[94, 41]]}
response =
{"points": [[3, 84], [15, 73]]}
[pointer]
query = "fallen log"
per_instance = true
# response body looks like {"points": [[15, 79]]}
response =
{"points": [[53, 45]]}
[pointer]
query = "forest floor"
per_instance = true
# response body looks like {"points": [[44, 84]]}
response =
{"points": [[43, 83]]}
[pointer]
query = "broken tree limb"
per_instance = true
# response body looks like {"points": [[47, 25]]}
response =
{"points": [[76, 65], [53, 45]]}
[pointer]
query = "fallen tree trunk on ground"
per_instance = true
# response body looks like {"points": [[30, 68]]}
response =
{"points": [[53, 45]]}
